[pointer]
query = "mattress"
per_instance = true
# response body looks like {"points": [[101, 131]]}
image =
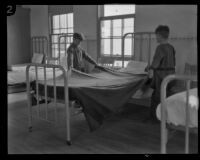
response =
{"points": [[135, 67], [175, 109], [18, 74], [101, 93]]}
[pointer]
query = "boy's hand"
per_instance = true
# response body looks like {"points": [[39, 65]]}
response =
{"points": [[150, 73], [146, 68]]}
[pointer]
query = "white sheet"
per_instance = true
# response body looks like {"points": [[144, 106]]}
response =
{"points": [[18, 76], [136, 67], [176, 104]]}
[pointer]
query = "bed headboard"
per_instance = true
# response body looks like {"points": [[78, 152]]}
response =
{"points": [[192, 71], [140, 38], [64, 40], [39, 45]]}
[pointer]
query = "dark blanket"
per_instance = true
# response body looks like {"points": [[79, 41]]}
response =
{"points": [[101, 93]]}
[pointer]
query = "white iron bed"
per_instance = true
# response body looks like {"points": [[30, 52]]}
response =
{"points": [[179, 111]]}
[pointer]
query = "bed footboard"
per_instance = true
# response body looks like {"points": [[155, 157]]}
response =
{"points": [[65, 74], [164, 84]]}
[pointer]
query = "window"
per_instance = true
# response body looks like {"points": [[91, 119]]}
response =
{"points": [[113, 10], [62, 23], [114, 23]]}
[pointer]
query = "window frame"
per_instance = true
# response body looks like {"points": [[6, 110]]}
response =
{"points": [[111, 18], [52, 30]]}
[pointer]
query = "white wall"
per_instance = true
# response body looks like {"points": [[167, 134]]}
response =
{"points": [[39, 20], [85, 20], [182, 20], [18, 37]]}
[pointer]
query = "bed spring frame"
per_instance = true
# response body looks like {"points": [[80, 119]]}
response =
{"points": [[164, 130]]}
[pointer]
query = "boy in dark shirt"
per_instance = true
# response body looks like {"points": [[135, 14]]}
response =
{"points": [[163, 64], [76, 54]]}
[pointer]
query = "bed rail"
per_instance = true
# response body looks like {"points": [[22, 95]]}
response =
{"points": [[164, 84], [140, 34], [64, 41], [65, 74]]}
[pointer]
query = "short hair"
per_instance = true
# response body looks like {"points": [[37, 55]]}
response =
{"points": [[163, 31], [79, 36]]}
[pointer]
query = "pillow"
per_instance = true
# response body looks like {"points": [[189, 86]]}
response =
{"points": [[37, 58], [63, 62]]}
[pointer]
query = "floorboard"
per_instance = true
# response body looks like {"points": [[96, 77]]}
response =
{"points": [[123, 133]]}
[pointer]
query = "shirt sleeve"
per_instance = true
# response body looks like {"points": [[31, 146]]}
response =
{"points": [[157, 58], [88, 58]]}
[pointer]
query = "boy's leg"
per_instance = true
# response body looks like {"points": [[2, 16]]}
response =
{"points": [[155, 100]]}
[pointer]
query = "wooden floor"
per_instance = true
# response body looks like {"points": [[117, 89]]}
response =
{"points": [[123, 133]]}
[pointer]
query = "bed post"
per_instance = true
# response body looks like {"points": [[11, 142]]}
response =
{"points": [[67, 116], [163, 118], [187, 118], [123, 39], [29, 99], [163, 109]]}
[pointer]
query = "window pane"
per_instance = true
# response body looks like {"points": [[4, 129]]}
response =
{"points": [[54, 38], [63, 31], [128, 47], [117, 46], [63, 21], [119, 63], [105, 29], [70, 20], [62, 54], [69, 39], [111, 10], [105, 46], [117, 27], [70, 30], [56, 31], [54, 52], [128, 25], [56, 21], [55, 45]]}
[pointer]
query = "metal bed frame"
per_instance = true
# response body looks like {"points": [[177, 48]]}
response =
{"points": [[143, 102], [164, 130], [133, 35], [65, 73], [67, 39], [40, 45]]}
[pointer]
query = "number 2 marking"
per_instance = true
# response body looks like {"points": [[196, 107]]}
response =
{"points": [[9, 9]]}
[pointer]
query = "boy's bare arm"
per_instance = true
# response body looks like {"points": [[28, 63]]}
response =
{"points": [[89, 58]]}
